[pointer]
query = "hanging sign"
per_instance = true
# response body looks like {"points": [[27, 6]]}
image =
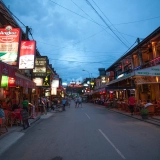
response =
{"points": [[40, 69], [27, 54], [151, 71], [4, 81], [11, 82], [38, 81], [9, 43]]}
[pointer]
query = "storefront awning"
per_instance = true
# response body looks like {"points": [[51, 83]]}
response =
{"points": [[108, 88], [7, 70], [24, 81], [121, 78], [150, 72]]}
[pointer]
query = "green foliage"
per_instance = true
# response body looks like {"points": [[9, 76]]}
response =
{"points": [[144, 111]]}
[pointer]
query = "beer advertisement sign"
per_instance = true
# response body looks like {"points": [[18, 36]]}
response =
{"points": [[27, 55]]}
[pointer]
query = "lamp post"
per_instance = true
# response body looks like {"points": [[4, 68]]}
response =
{"points": [[88, 73], [72, 84]]}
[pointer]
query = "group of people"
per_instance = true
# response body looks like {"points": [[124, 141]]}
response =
{"points": [[133, 106], [78, 102]]}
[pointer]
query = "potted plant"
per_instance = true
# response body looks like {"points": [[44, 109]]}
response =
{"points": [[144, 113]]}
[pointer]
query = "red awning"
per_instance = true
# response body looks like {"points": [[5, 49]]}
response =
{"points": [[24, 81], [7, 70]]}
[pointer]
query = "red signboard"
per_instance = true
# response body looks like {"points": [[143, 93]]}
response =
{"points": [[27, 55], [11, 82], [9, 43]]}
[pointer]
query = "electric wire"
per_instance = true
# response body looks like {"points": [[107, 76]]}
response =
{"points": [[105, 22], [109, 21]]}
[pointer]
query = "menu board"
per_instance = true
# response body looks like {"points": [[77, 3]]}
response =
{"points": [[40, 69]]}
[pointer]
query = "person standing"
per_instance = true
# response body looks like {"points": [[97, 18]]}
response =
{"points": [[64, 103], [25, 104], [131, 102]]}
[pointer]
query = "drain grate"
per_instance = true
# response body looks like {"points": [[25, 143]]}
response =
{"points": [[57, 158]]}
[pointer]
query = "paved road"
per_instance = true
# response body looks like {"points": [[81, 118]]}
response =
{"points": [[88, 133]]}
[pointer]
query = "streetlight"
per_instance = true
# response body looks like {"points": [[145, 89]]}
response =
{"points": [[88, 73]]}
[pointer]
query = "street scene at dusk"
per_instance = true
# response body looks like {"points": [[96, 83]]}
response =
{"points": [[79, 80]]}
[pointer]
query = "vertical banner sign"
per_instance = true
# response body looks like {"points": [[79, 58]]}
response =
{"points": [[9, 43], [11, 82], [4, 81], [27, 54], [40, 69]]}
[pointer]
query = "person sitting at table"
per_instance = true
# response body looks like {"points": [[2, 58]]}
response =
{"points": [[148, 104]]}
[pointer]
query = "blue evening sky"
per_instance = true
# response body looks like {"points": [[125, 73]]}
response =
{"points": [[86, 35]]}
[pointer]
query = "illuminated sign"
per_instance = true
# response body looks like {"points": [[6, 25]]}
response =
{"points": [[4, 81], [38, 81], [121, 75], [53, 91], [40, 69], [9, 43], [55, 83], [11, 82], [103, 79], [46, 81], [27, 54]]}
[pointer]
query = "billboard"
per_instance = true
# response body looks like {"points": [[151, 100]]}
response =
{"points": [[27, 54], [9, 44], [40, 69]]}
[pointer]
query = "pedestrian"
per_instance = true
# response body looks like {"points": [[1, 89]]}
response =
{"points": [[69, 102], [80, 102], [131, 102], [25, 104], [63, 103], [76, 102]]}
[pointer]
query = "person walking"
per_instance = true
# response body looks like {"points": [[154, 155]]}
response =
{"points": [[131, 102], [64, 103], [80, 102], [76, 102]]}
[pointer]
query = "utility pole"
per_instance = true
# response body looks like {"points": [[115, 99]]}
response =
{"points": [[139, 53], [27, 31]]}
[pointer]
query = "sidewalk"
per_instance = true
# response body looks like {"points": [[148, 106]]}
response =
{"points": [[15, 133], [152, 120]]}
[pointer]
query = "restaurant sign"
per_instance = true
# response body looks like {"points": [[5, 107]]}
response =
{"points": [[40, 69], [151, 71], [27, 54], [9, 43]]}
